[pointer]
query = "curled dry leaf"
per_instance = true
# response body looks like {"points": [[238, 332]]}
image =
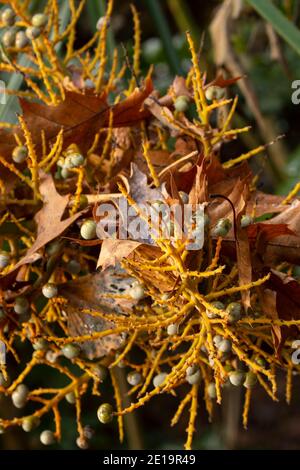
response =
{"points": [[281, 300], [114, 251], [101, 293]]}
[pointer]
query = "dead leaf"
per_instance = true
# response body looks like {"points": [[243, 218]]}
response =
{"points": [[113, 251], [268, 302], [96, 292], [81, 116], [49, 223], [286, 292]]}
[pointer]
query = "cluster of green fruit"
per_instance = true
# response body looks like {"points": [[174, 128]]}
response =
{"points": [[20, 38]]}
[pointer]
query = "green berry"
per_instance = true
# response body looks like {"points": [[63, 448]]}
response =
{"points": [[65, 173], [218, 304], [191, 370], [74, 160], [211, 390], [82, 443], [71, 398], [134, 378], [49, 290], [224, 346], [214, 93], [137, 292], [40, 344], [194, 378], [32, 32], [52, 356], [21, 305], [19, 396], [9, 37], [8, 17], [246, 220], [105, 413], [53, 248], [30, 423], [172, 329], [73, 266], [71, 351], [250, 380], [4, 260], [221, 228], [101, 22], [21, 40], [234, 312], [182, 103], [88, 432], [22, 391], [19, 154], [159, 379], [39, 20], [47, 438], [88, 230], [237, 378], [60, 162], [217, 340]]}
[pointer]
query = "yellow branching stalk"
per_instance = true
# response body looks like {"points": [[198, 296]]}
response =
{"points": [[193, 415], [176, 305]]}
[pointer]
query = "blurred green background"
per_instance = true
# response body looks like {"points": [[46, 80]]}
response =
{"points": [[271, 64]]}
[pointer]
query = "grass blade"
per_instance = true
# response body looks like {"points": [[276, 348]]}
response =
{"points": [[162, 27], [183, 18], [285, 28]]}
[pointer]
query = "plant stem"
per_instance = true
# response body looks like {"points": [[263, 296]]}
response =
{"points": [[96, 9]]}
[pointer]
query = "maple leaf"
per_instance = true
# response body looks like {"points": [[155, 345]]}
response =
{"points": [[82, 115], [49, 223]]}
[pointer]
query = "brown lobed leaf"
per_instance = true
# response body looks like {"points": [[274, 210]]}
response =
{"points": [[49, 223], [81, 116]]}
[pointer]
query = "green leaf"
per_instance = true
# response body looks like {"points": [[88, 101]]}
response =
{"points": [[285, 28], [160, 21]]}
